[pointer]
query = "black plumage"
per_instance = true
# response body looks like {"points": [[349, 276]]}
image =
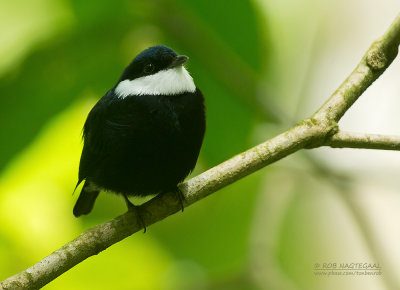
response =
{"points": [[142, 144]]}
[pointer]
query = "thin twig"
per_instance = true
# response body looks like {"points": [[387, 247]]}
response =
{"points": [[344, 139]]}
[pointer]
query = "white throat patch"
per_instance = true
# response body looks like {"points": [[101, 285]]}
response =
{"points": [[172, 81]]}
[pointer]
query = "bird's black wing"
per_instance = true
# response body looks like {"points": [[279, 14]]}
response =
{"points": [[108, 126], [93, 141]]}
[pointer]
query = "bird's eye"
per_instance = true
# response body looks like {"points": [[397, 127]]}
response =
{"points": [[148, 68]]}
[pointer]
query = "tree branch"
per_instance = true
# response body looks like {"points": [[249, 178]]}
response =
{"points": [[378, 57], [344, 139], [319, 130]]}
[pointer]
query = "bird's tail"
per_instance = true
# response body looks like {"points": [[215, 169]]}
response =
{"points": [[85, 202]]}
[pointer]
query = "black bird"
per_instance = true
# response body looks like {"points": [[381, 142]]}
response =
{"points": [[144, 135]]}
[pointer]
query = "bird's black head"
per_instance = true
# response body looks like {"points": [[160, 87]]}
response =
{"points": [[151, 61]]}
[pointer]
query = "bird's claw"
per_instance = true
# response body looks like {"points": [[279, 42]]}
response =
{"points": [[181, 197], [137, 210]]}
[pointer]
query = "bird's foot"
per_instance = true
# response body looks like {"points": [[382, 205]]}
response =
{"points": [[137, 210], [181, 198]]}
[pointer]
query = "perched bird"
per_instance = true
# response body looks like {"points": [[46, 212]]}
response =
{"points": [[144, 135]]}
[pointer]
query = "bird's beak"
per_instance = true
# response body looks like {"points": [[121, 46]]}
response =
{"points": [[177, 61]]}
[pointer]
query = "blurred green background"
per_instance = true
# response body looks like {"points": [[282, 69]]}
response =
{"points": [[262, 65]]}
